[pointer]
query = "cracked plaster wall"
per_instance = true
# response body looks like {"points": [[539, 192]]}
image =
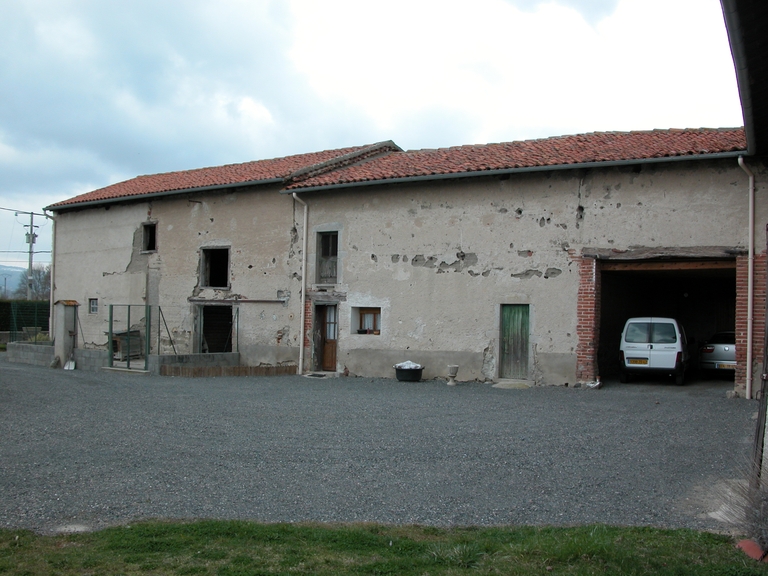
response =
{"points": [[102, 249], [440, 258], [437, 258]]}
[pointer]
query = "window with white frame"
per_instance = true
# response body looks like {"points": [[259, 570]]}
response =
{"points": [[93, 305]]}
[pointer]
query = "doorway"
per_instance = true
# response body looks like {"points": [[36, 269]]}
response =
{"points": [[326, 336], [215, 329], [514, 338]]}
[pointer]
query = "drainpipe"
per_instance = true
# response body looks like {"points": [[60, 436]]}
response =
{"points": [[751, 273], [300, 370], [51, 299]]}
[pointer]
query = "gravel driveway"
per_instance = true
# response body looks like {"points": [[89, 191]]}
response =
{"points": [[83, 450]]}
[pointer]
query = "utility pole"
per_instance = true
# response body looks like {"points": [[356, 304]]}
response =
{"points": [[31, 238]]}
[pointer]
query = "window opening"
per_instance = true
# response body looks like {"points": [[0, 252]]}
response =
{"points": [[370, 321], [93, 305], [328, 258], [215, 268], [149, 241]]}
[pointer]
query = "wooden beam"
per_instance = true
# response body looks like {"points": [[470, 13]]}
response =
{"points": [[668, 265]]}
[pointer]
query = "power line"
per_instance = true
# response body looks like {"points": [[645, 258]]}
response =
{"points": [[23, 212], [31, 239]]}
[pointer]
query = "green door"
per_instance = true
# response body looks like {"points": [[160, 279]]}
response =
{"points": [[514, 341]]}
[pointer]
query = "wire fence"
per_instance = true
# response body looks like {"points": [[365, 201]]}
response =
{"points": [[27, 321]]}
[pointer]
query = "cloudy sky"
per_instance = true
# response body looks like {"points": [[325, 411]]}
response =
{"points": [[93, 92]]}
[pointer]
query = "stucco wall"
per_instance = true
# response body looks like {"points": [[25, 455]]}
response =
{"points": [[438, 258], [99, 255]]}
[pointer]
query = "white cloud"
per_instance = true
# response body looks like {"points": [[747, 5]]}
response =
{"points": [[521, 73], [65, 38], [105, 91]]}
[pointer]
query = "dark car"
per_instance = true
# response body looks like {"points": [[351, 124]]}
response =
{"points": [[718, 352]]}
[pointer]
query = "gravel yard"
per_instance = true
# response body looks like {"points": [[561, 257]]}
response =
{"points": [[84, 450]]}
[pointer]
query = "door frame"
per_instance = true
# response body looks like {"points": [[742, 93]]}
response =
{"points": [[319, 340], [529, 344]]}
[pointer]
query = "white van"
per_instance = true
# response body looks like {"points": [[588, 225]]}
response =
{"points": [[653, 345]]}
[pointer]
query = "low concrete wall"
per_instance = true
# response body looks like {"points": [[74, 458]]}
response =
{"points": [[211, 365], [193, 360], [24, 353], [213, 371], [189, 365], [90, 359]]}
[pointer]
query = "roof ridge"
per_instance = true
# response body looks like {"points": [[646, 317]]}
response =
{"points": [[366, 153], [233, 164]]}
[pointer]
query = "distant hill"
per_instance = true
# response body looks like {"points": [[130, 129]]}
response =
{"points": [[10, 276]]}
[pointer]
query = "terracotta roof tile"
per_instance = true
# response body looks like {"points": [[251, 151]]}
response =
{"points": [[558, 151], [385, 161], [259, 170]]}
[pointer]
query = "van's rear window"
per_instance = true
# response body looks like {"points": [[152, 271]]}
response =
{"points": [[656, 333], [638, 333], [664, 333]]}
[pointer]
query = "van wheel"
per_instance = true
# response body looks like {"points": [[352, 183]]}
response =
{"points": [[680, 378], [623, 377]]}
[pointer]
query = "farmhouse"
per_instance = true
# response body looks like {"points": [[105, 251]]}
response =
{"points": [[518, 260]]}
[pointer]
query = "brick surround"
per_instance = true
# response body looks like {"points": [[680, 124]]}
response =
{"points": [[587, 319], [758, 315], [308, 319]]}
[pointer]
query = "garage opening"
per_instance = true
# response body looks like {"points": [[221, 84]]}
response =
{"points": [[701, 295]]}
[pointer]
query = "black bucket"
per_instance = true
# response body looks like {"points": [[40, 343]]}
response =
{"points": [[408, 374]]}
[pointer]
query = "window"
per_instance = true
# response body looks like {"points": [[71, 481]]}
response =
{"points": [[93, 305], [149, 237], [327, 257], [368, 320], [654, 333], [215, 268]]}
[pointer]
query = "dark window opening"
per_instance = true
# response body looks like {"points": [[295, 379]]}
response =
{"points": [[149, 242], [327, 262], [215, 268]]}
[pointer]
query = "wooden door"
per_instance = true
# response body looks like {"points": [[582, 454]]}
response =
{"points": [[514, 341], [330, 331]]}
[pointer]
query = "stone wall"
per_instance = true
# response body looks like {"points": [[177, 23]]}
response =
{"points": [[37, 354]]}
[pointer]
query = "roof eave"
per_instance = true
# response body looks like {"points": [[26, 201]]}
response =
{"points": [[736, 41], [142, 197], [504, 171]]}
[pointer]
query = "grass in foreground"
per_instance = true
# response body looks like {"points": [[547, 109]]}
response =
{"points": [[247, 548]]}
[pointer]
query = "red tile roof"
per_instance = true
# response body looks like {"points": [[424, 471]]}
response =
{"points": [[385, 161], [248, 172], [559, 151]]}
